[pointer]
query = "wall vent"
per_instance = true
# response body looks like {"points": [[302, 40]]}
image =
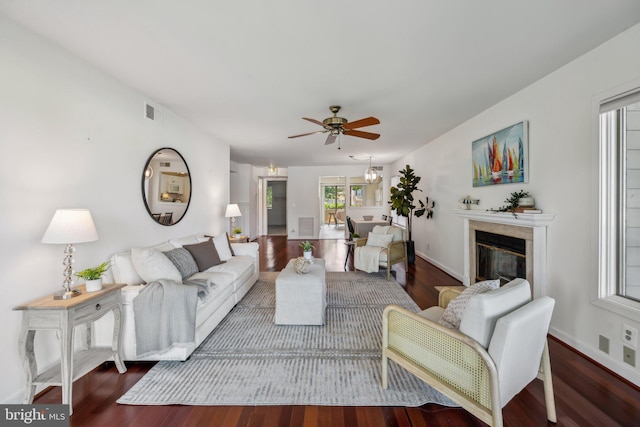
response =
{"points": [[149, 111], [305, 226], [165, 164]]}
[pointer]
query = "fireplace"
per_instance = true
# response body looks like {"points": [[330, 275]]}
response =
{"points": [[513, 233], [499, 257]]}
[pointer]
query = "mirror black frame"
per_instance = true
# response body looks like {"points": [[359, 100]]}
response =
{"points": [[144, 195]]}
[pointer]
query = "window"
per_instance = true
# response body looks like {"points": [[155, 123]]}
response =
{"points": [[619, 204], [269, 197], [333, 197], [356, 195]]}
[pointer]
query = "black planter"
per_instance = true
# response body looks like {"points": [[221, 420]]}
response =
{"points": [[411, 252]]}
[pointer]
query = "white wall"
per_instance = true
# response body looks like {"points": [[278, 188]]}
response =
{"points": [[240, 193], [563, 180], [74, 137], [303, 194]]}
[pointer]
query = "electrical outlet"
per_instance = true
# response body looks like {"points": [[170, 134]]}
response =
{"points": [[629, 335], [603, 344], [629, 355]]}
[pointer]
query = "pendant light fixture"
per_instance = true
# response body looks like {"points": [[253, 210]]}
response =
{"points": [[370, 175]]}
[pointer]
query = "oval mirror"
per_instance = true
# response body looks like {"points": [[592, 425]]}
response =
{"points": [[166, 186]]}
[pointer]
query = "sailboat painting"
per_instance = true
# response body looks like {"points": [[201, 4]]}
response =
{"points": [[502, 157]]}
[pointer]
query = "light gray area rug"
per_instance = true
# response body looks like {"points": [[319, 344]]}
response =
{"points": [[248, 360]]}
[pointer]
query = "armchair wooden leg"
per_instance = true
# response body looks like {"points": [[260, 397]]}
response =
{"points": [[548, 385], [385, 364]]}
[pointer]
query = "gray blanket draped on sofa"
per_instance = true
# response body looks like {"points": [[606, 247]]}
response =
{"points": [[165, 313]]}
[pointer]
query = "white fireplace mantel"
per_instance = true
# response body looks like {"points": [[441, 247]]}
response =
{"points": [[538, 224]]}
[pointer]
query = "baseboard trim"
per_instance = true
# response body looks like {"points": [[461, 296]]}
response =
{"points": [[442, 267], [604, 361]]}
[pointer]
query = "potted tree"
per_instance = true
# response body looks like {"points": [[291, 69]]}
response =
{"points": [[93, 276], [403, 203]]}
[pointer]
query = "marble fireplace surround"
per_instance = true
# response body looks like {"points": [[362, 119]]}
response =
{"points": [[530, 227]]}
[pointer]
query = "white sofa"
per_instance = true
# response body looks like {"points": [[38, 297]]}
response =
{"points": [[236, 276]]}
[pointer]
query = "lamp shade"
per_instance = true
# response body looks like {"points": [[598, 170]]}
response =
{"points": [[71, 226], [232, 211]]}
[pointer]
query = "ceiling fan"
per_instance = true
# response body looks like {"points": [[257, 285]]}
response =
{"points": [[338, 125]]}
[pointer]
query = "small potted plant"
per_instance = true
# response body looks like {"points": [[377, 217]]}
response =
{"points": [[238, 232], [514, 201], [306, 249], [93, 276]]}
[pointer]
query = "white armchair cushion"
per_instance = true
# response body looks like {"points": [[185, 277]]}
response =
{"points": [[398, 234], [432, 313], [452, 315], [482, 311], [517, 345], [379, 240], [380, 229]]}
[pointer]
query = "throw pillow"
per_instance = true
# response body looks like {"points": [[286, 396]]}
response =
{"points": [[184, 262], [229, 242], [205, 254], [380, 240], [452, 315], [221, 243], [153, 265]]}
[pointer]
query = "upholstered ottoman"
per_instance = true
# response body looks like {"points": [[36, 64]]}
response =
{"points": [[301, 299]]}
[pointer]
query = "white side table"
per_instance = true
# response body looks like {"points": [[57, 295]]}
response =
{"points": [[63, 316]]}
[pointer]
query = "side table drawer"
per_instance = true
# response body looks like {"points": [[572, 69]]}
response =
{"points": [[93, 311]]}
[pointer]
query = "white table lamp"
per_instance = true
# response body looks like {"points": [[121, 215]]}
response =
{"points": [[70, 226], [232, 212]]}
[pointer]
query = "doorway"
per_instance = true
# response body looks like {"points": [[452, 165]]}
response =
{"points": [[276, 208], [332, 210], [273, 206]]}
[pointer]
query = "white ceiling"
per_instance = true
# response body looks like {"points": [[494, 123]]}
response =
{"points": [[247, 71]]}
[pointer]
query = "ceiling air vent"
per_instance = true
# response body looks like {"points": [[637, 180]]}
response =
{"points": [[149, 111], [165, 164]]}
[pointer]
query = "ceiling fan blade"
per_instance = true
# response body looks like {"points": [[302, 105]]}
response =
{"points": [[369, 121], [361, 134], [314, 121], [330, 139], [310, 133]]}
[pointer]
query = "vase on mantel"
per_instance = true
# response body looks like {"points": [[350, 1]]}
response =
{"points": [[526, 202]]}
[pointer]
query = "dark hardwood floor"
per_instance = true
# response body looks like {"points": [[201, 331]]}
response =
{"points": [[586, 394]]}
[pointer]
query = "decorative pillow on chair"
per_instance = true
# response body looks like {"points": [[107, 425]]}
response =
{"points": [[379, 240], [453, 313], [205, 254], [153, 265], [184, 262]]}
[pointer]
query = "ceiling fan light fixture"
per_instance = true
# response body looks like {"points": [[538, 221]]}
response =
{"points": [[370, 175]]}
